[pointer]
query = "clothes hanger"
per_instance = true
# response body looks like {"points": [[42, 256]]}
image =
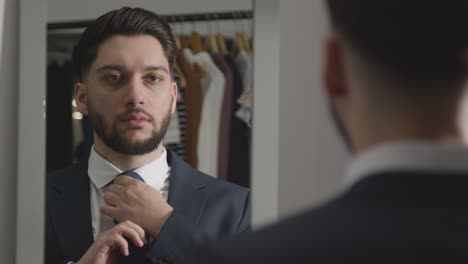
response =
{"points": [[246, 42], [184, 39], [239, 43], [244, 37], [177, 35], [185, 42], [220, 39], [211, 39], [195, 41]]}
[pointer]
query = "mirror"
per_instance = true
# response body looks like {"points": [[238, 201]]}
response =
{"points": [[210, 128]]}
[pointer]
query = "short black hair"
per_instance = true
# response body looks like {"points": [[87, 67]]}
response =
{"points": [[124, 21], [417, 40]]}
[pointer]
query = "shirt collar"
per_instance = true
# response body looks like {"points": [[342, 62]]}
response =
{"points": [[101, 171], [408, 156]]}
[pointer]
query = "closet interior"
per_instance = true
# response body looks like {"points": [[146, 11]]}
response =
{"points": [[211, 128]]}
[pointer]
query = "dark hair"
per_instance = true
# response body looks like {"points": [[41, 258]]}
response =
{"points": [[414, 40], [123, 21]]}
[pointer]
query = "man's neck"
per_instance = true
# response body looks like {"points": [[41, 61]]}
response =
{"points": [[379, 136], [126, 162]]}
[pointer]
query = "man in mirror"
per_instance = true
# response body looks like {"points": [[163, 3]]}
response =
{"points": [[134, 201]]}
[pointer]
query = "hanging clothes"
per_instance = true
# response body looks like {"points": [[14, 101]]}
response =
{"points": [[193, 106], [181, 113], [226, 113], [244, 64], [213, 84], [239, 140], [173, 137]]}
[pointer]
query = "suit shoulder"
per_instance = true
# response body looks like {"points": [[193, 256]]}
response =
{"points": [[196, 177], [60, 175], [216, 183]]}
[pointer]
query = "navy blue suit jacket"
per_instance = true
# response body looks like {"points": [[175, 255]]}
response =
{"points": [[393, 217], [204, 209]]}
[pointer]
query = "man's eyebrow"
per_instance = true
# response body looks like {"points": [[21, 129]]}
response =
{"points": [[156, 68], [122, 68], [110, 67]]}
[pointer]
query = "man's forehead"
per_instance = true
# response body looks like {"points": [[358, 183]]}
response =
{"points": [[140, 51]]}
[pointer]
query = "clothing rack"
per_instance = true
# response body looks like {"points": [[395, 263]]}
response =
{"points": [[179, 18]]}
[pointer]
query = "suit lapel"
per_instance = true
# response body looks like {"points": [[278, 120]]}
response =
{"points": [[70, 212], [186, 193]]}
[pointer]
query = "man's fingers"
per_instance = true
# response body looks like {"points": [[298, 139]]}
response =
{"points": [[115, 188], [111, 198], [110, 211], [137, 228], [129, 232], [125, 180], [119, 241]]}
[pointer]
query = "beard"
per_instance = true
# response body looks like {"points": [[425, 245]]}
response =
{"points": [[340, 128], [115, 140]]}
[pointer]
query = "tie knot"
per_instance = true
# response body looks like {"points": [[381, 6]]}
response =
{"points": [[132, 174]]}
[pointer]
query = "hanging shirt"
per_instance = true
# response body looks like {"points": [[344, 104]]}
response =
{"points": [[212, 96], [240, 137], [172, 135], [174, 139], [226, 113], [101, 172], [245, 66], [192, 95]]}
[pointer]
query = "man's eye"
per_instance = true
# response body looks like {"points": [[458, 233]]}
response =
{"points": [[113, 77], [154, 78]]}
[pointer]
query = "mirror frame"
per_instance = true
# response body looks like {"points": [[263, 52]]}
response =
{"points": [[30, 206]]}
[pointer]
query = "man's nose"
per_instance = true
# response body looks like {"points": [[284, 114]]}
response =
{"points": [[135, 92]]}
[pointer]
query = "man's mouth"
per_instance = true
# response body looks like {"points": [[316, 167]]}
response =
{"points": [[135, 119]]}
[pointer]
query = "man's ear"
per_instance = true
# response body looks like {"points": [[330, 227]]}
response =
{"points": [[81, 98], [334, 77], [174, 96]]}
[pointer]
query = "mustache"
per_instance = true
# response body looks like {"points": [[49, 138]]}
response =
{"points": [[124, 116]]}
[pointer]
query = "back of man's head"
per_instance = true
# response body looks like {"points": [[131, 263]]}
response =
{"points": [[414, 41]]}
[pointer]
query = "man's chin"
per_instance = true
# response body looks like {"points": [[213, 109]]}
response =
{"points": [[136, 133], [134, 141], [136, 146]]}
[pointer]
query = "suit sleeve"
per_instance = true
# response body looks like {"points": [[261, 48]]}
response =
{"points": [[244, 223], [52, 252], [179, 236]]}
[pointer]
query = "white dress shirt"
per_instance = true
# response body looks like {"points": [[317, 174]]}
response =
{"points": [[408, 156], [213, 86], [101, 172]]}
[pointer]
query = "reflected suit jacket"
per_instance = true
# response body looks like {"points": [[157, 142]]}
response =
{"points": [[204, 209]]}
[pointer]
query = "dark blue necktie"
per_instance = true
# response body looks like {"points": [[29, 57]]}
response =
{"points": [[137, 255], [132, 174]]}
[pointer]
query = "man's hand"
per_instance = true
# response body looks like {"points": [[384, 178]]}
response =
{"points": [[131, 199], [108, 244]]}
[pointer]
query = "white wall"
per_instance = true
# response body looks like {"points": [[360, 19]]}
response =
{"points": [[312, 156], [30, 109], [266, 122], [8, 121], [298, 159]]}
